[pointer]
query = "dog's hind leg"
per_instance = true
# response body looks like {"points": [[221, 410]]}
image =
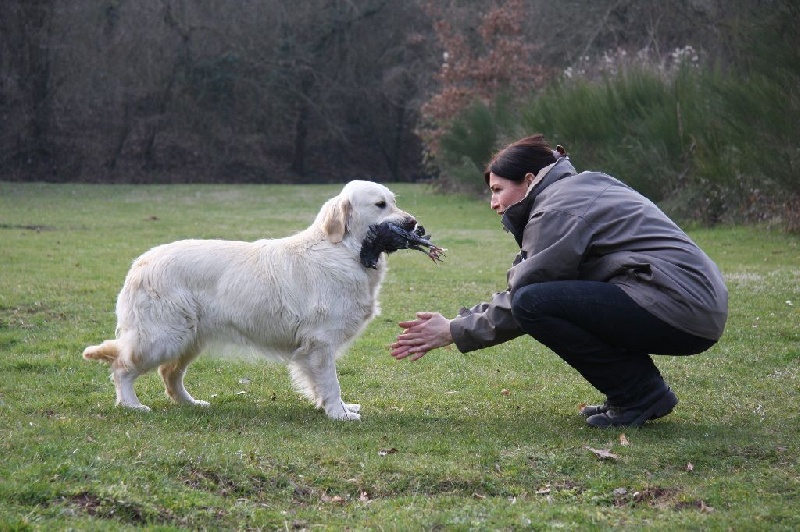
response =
{"points": [[123, 378], [172, 374]]}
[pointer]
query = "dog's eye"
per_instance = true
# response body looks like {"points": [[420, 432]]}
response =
{"points": [[381, 204]]}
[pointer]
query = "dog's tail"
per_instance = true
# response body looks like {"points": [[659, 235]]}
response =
{"points": [[108, 351]]}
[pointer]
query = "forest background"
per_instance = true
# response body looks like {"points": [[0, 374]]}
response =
{"points": [[696, 103]]}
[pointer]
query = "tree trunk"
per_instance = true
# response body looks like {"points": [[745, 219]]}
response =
{"points": [[301, 124], [33, 55]]}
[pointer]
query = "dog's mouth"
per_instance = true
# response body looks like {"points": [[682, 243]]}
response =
{"points": [[388, 237]]}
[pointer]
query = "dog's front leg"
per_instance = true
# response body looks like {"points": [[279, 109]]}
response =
{"points": [[353, 407], [313, 370], [324, 383]]}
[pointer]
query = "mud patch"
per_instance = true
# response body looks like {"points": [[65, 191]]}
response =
{"points": [[105, 508], [37, 228]]}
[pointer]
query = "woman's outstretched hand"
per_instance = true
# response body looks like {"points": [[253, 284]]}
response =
{"points": [[429, 331]]}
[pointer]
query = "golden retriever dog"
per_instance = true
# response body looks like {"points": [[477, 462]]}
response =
{"points": [[300, 300]]}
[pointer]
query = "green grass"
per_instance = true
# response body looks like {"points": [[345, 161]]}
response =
{"points": [[488, 440]]}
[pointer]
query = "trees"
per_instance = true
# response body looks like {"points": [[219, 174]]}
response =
{"points": [[26, 30], [478, 66], [207, 90], [309, 90], [709, 132], [347, 70]]}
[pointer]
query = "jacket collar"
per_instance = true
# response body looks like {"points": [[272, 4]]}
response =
{"points": [[516, 216]]}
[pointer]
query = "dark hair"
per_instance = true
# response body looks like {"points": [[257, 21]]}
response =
{"points": [[528, 155]]}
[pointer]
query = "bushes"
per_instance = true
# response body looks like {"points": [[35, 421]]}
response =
{"points": [[712, 144], [631, 126]]}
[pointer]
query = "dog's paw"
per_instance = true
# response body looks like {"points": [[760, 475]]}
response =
{"points": [[353, 407], [351, 416], [200, 402], [342, 412], [137, 406]]}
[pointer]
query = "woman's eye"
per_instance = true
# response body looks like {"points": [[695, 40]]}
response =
{"points": [[381, 204]]}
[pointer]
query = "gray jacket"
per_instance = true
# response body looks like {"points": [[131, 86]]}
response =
{"points": [[593, 227]]}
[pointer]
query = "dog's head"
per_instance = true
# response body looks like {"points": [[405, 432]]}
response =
{"points": [[360, 205]]}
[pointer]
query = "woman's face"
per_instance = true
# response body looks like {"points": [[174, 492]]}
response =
{"points": [[505, 192]]}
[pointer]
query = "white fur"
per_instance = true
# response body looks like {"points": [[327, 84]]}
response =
{"points": [[300, 300]]}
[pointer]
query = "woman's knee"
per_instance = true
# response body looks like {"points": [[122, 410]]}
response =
{"points": [[525, 304]]}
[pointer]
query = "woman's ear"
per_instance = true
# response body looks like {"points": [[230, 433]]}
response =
{"points": [[336, 219], [529, 177]]}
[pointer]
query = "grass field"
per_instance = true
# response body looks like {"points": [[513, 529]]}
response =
{"points": [[485, 441]]}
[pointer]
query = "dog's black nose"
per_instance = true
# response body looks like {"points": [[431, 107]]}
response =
{"points": [[409, 223]]}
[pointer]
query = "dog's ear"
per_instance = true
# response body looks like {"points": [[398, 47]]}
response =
{"points": [[336, 219]]}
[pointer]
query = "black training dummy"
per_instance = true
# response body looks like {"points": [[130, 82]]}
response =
{"points": [[388, 238]]}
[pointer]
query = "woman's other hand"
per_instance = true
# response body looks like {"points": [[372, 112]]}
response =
{"points": [[429, 331]]}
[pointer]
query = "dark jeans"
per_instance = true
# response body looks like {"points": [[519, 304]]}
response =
{"points": [[602, 333]]}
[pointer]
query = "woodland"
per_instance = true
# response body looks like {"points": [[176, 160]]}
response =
{"points": [[316, 91]]}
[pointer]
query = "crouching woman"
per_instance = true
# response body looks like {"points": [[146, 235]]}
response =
{"points": [[603, 278]]}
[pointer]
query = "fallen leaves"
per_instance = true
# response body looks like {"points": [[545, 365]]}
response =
{"points": [[602, 454], [363, 496], [606, 454], [703, 507]]}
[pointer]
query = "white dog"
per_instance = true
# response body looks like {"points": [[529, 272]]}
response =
{"points": [[300, 299]]}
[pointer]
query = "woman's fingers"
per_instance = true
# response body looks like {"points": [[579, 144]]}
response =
{"points": [[412, 341], [422, 317], [417, 337], [407, 345], [410, 337], [418, 355], [404, 352]]}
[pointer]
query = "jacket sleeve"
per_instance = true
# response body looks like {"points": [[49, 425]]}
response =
{"points": [[485, 324], [553, 246]]}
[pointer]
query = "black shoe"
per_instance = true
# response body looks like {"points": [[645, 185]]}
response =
{"points": [[590, 410], [653, 406]]}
